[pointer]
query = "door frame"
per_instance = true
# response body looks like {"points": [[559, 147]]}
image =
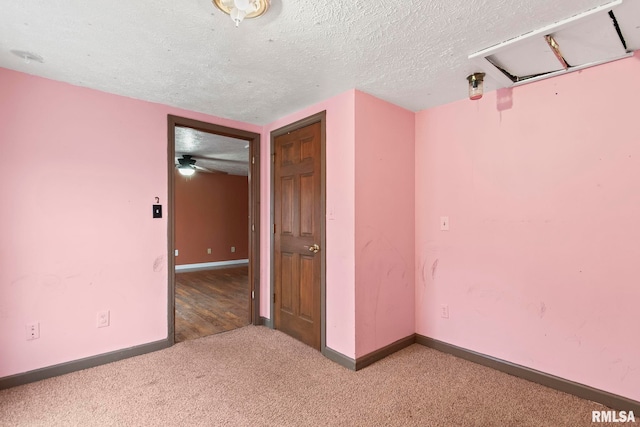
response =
{"points": [[321, 118], [254, 212]]}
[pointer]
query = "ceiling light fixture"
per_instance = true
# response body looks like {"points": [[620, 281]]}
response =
{"points": [[241, 9], [475, 85]]}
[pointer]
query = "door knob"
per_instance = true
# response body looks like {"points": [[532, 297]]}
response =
{"points": [[314, 248]]}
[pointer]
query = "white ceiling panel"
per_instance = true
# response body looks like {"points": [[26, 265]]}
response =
{"points": [[530, 57], [593, 40], [628, 16], [580, 41]]}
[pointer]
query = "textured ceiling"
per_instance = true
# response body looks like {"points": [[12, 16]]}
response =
{"points": [[214, 153], [188, 54]]}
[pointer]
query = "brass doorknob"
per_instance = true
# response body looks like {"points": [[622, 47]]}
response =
{"points": [[314, 248]]}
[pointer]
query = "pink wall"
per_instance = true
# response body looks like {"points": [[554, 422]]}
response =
{"points": [[542, 188], [359, 128], [75, 220], [541, 185], [340, 272], [211, 212], [384, 223]]}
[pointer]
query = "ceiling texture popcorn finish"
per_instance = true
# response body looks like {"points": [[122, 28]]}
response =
{"points": [[191, 55]]}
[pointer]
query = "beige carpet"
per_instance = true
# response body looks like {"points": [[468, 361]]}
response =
{"points": [[260, 377]]}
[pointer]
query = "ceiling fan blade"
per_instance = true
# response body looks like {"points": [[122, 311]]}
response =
{"points": [[217, 159], [207, 170]]}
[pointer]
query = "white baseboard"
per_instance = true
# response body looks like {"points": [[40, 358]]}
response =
{"points": [[207, 265]]}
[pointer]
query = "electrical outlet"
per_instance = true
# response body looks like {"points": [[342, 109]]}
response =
{"points": [[444, 311], [233, 248], [102, 319], [444, 223], [209, 251], [33, 331]]}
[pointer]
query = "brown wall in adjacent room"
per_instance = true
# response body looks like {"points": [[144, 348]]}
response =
{"points": [[211, 211]]}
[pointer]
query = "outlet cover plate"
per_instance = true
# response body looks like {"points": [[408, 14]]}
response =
{"points": [[33, 331], [102, 319], [444, 311]]}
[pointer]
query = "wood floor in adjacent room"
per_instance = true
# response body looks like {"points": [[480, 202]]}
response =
{"points": [[211, 301]]}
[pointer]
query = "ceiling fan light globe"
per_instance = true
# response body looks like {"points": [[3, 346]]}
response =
{"points": [[186, 171]]}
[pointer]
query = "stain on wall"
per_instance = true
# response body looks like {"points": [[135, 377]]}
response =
{"points": [[384, 223], [539, 267], [77, 232]]}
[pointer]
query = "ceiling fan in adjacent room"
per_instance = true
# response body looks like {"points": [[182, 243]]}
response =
{"points": [[187, 166]]}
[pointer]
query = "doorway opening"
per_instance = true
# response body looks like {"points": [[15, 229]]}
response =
{"points": [[213, 234]]}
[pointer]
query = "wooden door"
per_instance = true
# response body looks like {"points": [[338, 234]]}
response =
{"points": [[297, 240]]}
